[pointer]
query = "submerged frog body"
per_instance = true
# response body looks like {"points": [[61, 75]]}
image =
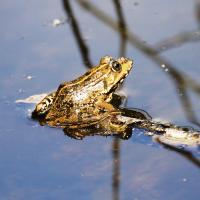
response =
{"points": [[86, 101]]}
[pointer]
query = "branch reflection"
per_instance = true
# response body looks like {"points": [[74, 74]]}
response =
{"points": [[77, 33], [116, 169], [116, 141], [182, 81], [186, 154], [122, 27]]}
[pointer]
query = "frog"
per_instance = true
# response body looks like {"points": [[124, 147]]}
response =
{"points": [[85, 105], [90, 105]]}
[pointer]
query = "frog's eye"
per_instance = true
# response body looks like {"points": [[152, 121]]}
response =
{"points": [[116, 67]]}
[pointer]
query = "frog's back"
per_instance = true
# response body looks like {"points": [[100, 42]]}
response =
{"points": [[72, 105]]}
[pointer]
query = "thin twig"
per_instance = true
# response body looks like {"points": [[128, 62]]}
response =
{"points": [[177, 40]]}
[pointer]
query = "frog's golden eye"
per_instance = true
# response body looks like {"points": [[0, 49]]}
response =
{"points": [[116, 66]]}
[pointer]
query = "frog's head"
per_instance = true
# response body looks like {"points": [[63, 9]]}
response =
{"points": [[114, 72]]}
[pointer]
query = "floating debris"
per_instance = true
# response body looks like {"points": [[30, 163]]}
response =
{"points": [[20, 90], [29, 111], [163, 66], [57, 22], [184, 180], [32, 99], [149, 133], [29, 77]]}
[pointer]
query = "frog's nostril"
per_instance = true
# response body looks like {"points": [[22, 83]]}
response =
{"points": [[123, 60], [131, 62]]}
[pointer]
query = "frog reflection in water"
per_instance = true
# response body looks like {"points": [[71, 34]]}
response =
{"points": [[84, 105]]}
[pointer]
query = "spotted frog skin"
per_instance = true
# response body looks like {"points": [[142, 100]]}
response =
{"points": [[86, 101]]}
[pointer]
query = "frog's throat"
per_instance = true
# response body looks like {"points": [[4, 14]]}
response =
{"points": [[120, 82]]}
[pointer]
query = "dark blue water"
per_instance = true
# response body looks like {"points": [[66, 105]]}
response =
{"points": [[40, 162]]}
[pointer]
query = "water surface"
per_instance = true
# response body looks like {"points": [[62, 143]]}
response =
{"points": [[41, 162]]}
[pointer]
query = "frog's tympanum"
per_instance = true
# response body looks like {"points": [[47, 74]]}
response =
{"points": [[85, 104]]}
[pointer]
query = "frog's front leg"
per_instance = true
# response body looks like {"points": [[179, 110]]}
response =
{"points": [[43, 106], [118, 100], [106, 107], [111, 123]]}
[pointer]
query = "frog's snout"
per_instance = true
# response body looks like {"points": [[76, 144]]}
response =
{"points": [[124, 60]]}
